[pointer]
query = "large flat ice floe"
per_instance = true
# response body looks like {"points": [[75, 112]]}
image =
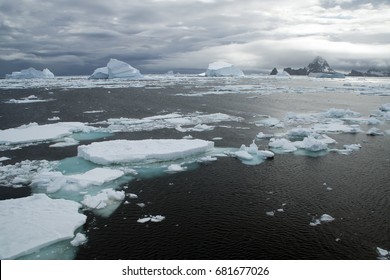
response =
{"points": [[30, 223], [37, 133], [149, 150]]}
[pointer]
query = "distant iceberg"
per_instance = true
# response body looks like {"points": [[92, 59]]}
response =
{"points": [[30, 73], [116, 69], [327, 75], [223, 69]]}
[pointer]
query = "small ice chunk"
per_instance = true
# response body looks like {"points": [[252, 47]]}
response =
{"points": [[374, 131], [142, 205], [217, 138], [311, 144], [132, 195], [157, 219], [382, 252], [103, 198], [207, 159], [53, 119], [266, 154], [243, 155], [262, 135], [315, 222], [4, 159], [282, 144], [79, 239], [326, 218], [270, 213], [176, 168], [188, 137], [385, 107], [143, 220], [268, 122]]}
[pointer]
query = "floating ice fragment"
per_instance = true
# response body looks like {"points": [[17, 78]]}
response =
{"points": [[326, 218], [374, 131], [79, 239], [311, 144], [103, 198], [262, 135], [282, 145], [223, 69], [385, 107], [154, 219], [207, 159], [126, 151], [31, 223], [132, 195], [382, 252], [173, 168], [67, 141], [270, 213], [37, 133], [268, 122]]}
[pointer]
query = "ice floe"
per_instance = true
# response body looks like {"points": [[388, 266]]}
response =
{"points": [[38, 133], [183, 123], [79, 239], [251, 155], [31, 223], [150, 218], [28, 99], [173, 168], [149, 150], [325, 218], [383, 254], [104, 198]]}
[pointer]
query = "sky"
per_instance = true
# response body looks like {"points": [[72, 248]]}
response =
{"points": [[73, 37]]}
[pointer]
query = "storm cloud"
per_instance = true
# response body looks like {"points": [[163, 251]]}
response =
{"points": [[75, 37]]}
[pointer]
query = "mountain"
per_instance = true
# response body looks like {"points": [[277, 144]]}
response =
{"points": [[372, 72], [319, 65]]}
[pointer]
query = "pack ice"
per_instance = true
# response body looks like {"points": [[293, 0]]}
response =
{"points": [[150, 150], [223, 69], [30, 223], [116, 69], [30, 73]]}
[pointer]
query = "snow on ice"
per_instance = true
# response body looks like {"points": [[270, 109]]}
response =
{"points": [[150, 150], [31, 223], [223, 69]]}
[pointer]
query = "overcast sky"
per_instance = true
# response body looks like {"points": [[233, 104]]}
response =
{"points": [[75, 36]]}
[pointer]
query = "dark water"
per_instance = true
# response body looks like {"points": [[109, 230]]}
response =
{"points": [[218, 210]]}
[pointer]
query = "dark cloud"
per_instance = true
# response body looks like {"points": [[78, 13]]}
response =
{"points": [[75, 37]]}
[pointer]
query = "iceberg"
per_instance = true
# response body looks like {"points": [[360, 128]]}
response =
{"points": [[116, 69], [100, 73], [151, 150], [223, 69], [31, 223], [103, 199], [30, 73]]}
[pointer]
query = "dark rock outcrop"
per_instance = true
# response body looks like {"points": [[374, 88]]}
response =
{"points": [[296, 72], [274, 71]]}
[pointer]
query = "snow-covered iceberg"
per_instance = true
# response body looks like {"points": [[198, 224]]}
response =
{"points": [[34, 222], [116, 69], [30, 73], [223, 69], [150, 150]]}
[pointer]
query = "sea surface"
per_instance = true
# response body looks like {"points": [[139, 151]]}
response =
{"points": [[223, 209]]}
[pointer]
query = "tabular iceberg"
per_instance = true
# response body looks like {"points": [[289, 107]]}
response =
{"points": [[116, 69], [30, 73], [223, 69]]}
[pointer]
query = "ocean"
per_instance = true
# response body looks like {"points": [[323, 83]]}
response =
{"points": [[229, 207]]}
